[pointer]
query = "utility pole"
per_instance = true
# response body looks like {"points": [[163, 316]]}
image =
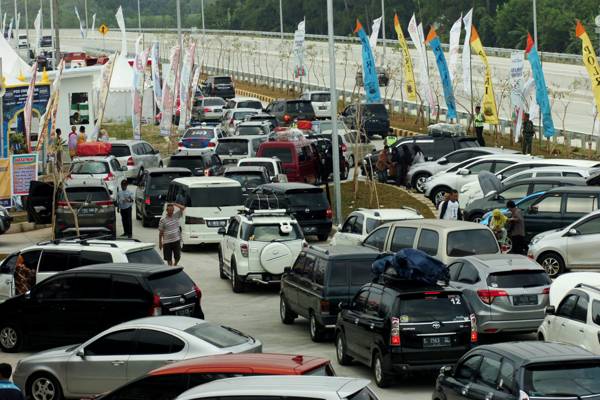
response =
{"points": [[26, 20], [535, 37], [179, 26], [52, 31], [139, 18], [383, 31], [86, 17], [42, 17], [15, 25], [56, 27], [281, 19]]}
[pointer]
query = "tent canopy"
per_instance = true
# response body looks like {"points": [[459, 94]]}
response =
{"points": [[122, 76], [12, 64]]}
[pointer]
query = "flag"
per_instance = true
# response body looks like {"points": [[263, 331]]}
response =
{"points": [[10, 26], [81, 30], [517, 60], [106, 77], [409, 76], [193, 89], [424, 85], [17, 21], [184, 85], [489, 101], [375, 33], [4, 23], [590, 61], [93, 22], [541, 91], [168, 92], [29, 106], [299, 35], [37, 24], [370, 79], [157, 88], [121, 23], [466, 54], [454, 47], [52, 105], [139, 69], [436, 46]]}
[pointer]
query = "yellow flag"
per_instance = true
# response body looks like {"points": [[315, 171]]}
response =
{"points": [[409, 76], [490, 111], [590, 61]]}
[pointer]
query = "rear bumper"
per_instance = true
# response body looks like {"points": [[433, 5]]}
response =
{"points": [[519, 325], [315, 227], [411, 361], [263, 278], [201, 237]]}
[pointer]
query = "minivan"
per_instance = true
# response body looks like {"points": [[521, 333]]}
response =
{"points": [[371, 119], [300, 161], [287, 111], [209, 202], [219, 86], [232, 149], [200, 162]]}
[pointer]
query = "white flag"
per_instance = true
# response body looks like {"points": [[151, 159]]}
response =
{"points": [[38, 29], [121, 23], [157, 88], [10, 25], [517, 59], [466, 54], [81, 30], [17, 22], [375, 33], [299, 35], [93, 21], [423, 83], [454, 48], [3, 23]]}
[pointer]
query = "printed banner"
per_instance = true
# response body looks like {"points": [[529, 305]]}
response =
{"points": [[541, 91], [81, 30], [105, 78], [50, 107], [424, 86], [409, 75], [24, 169], [590, 61], [5, 182], [299, 36], [375, 33], [139, 69], [93, 22], [10, 28], [466, 54], [436, 46], [157, 88], [193, 89], [454, 48], [370, 79], [4, 23], [184, 85], [121, 23], [488, 101], [29, 106], [517, 61], [168, 93]]}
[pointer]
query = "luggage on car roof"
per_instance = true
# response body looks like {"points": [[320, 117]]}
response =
{"points": [[411, 265], [89, 149]]}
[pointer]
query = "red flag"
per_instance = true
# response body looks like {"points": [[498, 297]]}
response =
{"points": [[358, 26], [431, 35], [529, 43]]}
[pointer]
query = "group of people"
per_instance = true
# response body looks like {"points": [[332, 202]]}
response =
{"points": [[76, 138], [527, 130], [397, 162]]}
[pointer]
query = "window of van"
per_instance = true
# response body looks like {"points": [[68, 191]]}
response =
{"points": [[215, 196], [283, 153], [470, 242], [232, 147], [315, 199]]}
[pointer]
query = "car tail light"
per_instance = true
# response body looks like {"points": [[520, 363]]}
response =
{"points": [[287, 118], [180, 144], [64, 204], [156, 308], [194, 220], [344, 147], [207, 109], [488, 296], [109, 177], [432, 293], [212, 144], [329, 213], [147, 201], [198, 292], [395, 332], [546, 291], [324, 306], [106, 203], [244, 249], [130, 162], [474, 336]]}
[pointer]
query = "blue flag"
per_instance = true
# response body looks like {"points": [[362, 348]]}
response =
{"points": [[370, 80], [541, 92], [436, 46]]}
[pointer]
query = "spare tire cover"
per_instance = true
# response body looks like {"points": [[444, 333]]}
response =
{"points": [[274, 257]]}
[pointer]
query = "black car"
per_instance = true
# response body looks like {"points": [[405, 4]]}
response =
{"points": [[322, 145], [249, 177], [307, 203], [151, 192], [199, 163], [396, 327], [219, 86], [74, 305], [319, 281], [287, 111], [522, 370], [371, 119]]}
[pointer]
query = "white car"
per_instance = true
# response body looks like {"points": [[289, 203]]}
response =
{"points": [[572, 247], [200, 137], [232, 118], [361, 222], [273, 166], [252, 128], [244, 102], [106, 168], [258, 246], [233, 149], [135, 155], [320, 101]]}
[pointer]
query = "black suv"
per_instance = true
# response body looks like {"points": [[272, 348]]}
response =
{"points": [[320, 280], [307, 203], [287, 111], [371, 119], [219, 86], [151, 192], [521, 370], [74, 305], [395, 327], [200, 164]]}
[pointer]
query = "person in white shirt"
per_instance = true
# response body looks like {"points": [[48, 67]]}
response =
{"points": [[450, 209]]}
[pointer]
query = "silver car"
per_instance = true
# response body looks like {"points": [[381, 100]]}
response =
{"points": [[125, 352], [136, 155], [507, 292], [208, 108]]}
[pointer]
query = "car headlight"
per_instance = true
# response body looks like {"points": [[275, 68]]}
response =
{"points": [[535, 240]]}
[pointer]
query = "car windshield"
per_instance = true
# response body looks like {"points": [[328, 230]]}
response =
{"points": [[199, 133], [470, 242], [171, 284], [271, 233], [283, 153], [250, 130], [222, 80], [215, 197], [562, 379], [320, 97], [218, 336], [375, 110], [241, 115], [85, 194], [250, 104], [120, 150], [145, 256], [299, 107], [189, 162], [328, 125], [159, 183], [518, 279], [213, 102], [232, 148], [432, 307], [311, 199], [89, 167], [268, 165], [247, 179]]}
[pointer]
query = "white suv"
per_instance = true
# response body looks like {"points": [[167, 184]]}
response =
{"points": [[258, 246], [106, 168], [51, 257]]}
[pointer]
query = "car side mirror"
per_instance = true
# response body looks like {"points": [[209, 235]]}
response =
{"points": [[550, 310], [573, 232], [155, 151], [532, 210], [500, 176], [80, 352], [443, 161], [463, 171], [287, 270], [446, 370]]}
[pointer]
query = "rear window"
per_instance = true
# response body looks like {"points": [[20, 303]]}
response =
{"points": [[213, 102], [375, 110], [199, 133], [232, 147], [222, 80], [241, 115], [314, 200], [299, 107], [562, 380], [145, 256], [518, 279], [189, 162], [268, 165], [171, 284], [159, 183], [320, 97], [469, 242], [323, 370], [250, 130], [283, 153], [215, 197], [247, 179], [250, 104], [88, 167], [271, 233], [120, 151], [434, 307], [219, 336], [85, 194]]}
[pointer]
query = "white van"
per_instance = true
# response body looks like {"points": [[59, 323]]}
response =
{"points": [[210, 201]]}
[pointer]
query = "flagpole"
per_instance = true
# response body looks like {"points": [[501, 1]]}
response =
{"points": [[26, 21], [86, 17], [16, 26], [383, 31]]}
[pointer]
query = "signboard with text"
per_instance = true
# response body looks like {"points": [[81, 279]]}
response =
{"points": [[24, 169]]}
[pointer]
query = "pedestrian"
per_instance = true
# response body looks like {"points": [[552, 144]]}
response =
{"points": [[419, 157], [497, 224], [8, 390], [450, 208], [82, 137], [103, 137], [404, 164], [528, 134], [169, 234], [383, 164], [479, 121], [391, 138], [73, 142], [125, 204], [24, 276], [516, 231]]}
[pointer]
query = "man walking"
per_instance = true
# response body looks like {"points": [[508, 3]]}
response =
{"points": [[169, 234], [8, 390], [528, 134], [517, 228], [450, 208], [479, 121], [125, 203]]}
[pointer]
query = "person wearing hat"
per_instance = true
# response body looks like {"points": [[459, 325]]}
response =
{"points": [[528, 134], [498, 225]]}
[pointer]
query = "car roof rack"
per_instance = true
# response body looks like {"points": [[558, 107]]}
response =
{"points": [[319, 248], [86, 240], [586, 286]]}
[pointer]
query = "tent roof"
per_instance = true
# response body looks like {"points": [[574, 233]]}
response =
{"points": [[122, 76], [12, 63]]}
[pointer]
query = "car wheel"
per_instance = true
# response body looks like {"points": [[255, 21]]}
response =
{"points": [[44, 387], [145, 222], [541, 337], [553, 263], [11, 339], [418, 181], [340, 350], [317, 331], [437, 194], [160, 165], [475, 216], [382, 379], [237, 285], [221, 265], [287, 316], [322, 238]]}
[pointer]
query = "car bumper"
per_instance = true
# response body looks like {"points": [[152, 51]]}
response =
{"points": [[263, 278], [316, 228], [519, 325], [401, 362], [201, 237]]}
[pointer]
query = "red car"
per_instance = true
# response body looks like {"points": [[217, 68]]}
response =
{"points": [[170, 381]]}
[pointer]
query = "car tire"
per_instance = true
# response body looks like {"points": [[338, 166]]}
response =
{"points": [[286, 315], [382, 379], [540, 337], [553, 263], [418, 181], [237, 285], [146, 222], [221, 265], [316, 330], [475, 216], [11, 338], [322, 238], [437, 194], [43, 386], [160, 165], [340, 349], [139, 176]]}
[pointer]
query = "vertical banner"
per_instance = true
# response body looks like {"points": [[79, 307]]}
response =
{"points": [[10, 28], [105, 78], [81, 30], [93, 22], [375, 33], [193, 88], [590, 61], [454, 48], [50, 107], [488, 103], [37, 24], [24, 169], [466, 54], [121, 23], [4, 23], [541, 91], [424, 85], [409, 75], [517, 61], [299, 36], [436, 46], [156, 85], [184, 85], [5, 182], [29, 106], [168, 93], [370, 79], [139, 69]]}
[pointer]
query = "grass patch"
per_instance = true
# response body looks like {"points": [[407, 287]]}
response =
{"points": [[150, 133]]}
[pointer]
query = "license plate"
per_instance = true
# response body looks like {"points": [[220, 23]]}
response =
{"points": [[437, 341], [229, 161], [309, 229], [525, 300], [185, 311], [323, 108], [87, 211], [216, 223]]}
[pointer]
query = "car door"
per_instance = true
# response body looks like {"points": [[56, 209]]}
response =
{"points": [[555, 324], [292, 282], [54, 261], [38, 202], [591, 341], [573, 325], [101, 364], [582, 250], [577, 206], [544, 214], [231, 241], [351, 318], [370, 324], [304, 283], [154, 349], [403, 238], [7, 271], [429, 242], [346, 235], [485, 384], [377, 238], [457, 386], [158, 387]]}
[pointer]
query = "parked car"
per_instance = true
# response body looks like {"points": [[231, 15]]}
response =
{"points": [[326, 126], [371, 119], [268, 118], [201, 162], [319, 280], [75, 305], [507, 292], [360, 223], [349, 145], [5, 220], [251, 128], [443, 239], [287, 111], [219, 86], [232, 118], [151, 192], [550, 172], [320, 101], [131, 349], [232, 149], [136, 155], [249, 177], [306, 203], [208, 109], [101, 168], [200, 137], [184, 375], [244, 102], [298, 158], [272, 164]]}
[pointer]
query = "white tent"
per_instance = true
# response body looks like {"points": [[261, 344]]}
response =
{"points": [[12, 64]]}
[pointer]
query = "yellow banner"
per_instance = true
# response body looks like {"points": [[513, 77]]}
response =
{"points": [[409, 76], [488, 103], [590, 61], [5, 182]]}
